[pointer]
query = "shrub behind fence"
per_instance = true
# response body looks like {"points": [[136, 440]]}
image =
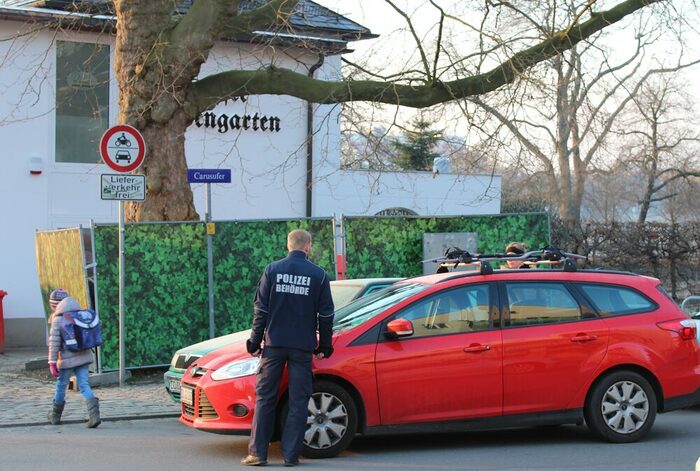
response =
{"points": [[670, 252]]}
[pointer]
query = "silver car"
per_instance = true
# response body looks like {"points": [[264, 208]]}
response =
{"points": [[691, 306]]}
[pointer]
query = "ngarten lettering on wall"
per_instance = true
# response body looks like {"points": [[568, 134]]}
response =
{"points": [[238, 122]]}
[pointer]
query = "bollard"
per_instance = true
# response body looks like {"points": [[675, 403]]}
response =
{"points": [[2, 323]]}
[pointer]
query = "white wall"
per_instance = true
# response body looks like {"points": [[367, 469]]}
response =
{"points": [[62, 195], [268, 168], [356, 192]]}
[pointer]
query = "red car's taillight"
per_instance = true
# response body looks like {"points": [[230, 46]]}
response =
{"points": [[683, 327]]}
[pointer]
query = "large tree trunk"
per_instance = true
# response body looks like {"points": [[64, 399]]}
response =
{"points": [[152, 90], [169, 196]]}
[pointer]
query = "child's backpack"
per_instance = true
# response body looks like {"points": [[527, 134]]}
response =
{"points": [[80, 330]]}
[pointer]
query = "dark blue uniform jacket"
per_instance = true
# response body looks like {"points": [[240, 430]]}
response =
{"points": [[293, 301]]}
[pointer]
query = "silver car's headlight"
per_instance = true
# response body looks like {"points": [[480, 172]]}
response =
{"points": [[237, 369]]}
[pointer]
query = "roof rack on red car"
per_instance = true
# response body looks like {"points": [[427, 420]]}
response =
{"points": [[550, 256]]}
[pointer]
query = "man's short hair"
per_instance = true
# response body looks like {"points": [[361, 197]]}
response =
{"points": [[298, 239]]}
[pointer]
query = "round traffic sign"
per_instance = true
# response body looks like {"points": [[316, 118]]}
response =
{"points": [[122, 148]]}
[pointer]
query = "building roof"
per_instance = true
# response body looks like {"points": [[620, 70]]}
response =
{"points": [[310, 21], [307, 15]]}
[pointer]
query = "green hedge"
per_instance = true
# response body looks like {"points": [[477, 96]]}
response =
{"points": [[379, 247], [165, 293], [166, 296], [241, 252]]}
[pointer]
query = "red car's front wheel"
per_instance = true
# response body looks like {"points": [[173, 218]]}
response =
{"points": [[331, 421]]}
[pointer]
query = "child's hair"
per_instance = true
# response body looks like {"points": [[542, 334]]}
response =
{"points": [[515, 248]]}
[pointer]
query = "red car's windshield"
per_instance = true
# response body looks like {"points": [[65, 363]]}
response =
{"points": [[363, 309]]}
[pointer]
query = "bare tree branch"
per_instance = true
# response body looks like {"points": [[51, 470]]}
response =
{"points": [[209, 91]]}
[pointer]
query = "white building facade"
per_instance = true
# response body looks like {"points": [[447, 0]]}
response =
{"points": [[54, 109]]}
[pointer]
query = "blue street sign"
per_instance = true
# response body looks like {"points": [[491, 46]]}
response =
{"points": [[208, 175]]}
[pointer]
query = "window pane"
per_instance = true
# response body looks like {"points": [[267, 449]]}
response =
{"points": [[365, 308], [374, 288], [541, 303], [459, 310], [343, 294], [616, 300], [82, 100]]}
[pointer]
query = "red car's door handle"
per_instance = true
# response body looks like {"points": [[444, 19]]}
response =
{"points": [[583, 338], [477, 348]]}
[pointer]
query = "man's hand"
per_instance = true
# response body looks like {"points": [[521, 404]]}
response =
{"points": [[253, 348], [54, 370], [323, 352]]}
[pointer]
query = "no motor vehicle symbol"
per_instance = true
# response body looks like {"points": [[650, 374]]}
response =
{"points": [[122, 148]]}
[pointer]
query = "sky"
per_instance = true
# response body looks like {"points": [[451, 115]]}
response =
{"points": [[381, 19], [393, 49], [398, 47]]}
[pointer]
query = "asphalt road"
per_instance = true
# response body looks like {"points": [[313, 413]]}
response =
{"points": [[164, 444]]}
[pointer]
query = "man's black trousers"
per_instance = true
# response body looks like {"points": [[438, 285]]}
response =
{"points": [[300, 387]]}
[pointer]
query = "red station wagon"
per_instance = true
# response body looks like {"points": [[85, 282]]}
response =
{"points": [[474, 350]]}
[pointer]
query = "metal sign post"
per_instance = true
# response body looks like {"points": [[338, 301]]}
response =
{"points": [[209, 176], [210, 264], [341, 263], [120, 206], [123, 149]]}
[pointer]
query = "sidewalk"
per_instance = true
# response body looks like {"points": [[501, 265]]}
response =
{"points": [[25, 400]]}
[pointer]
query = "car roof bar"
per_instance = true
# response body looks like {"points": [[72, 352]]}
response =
{"points": [[553, 255]]}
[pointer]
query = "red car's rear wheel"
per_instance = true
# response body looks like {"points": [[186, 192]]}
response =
{"points": [[621, 407]]}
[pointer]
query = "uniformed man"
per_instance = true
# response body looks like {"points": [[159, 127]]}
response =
{"points": [[293, 300]]}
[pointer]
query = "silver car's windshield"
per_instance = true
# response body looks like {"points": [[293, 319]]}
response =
{"points": [[344, 294], [363, 309]]}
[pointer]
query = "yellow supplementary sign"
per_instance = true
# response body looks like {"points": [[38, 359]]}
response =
{"points": [[211, 228]]}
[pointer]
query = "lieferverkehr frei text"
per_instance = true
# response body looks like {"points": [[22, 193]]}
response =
{"points": [[123, 186]]}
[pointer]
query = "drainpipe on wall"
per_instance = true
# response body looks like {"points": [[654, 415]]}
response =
{"points": [[310, 141]]}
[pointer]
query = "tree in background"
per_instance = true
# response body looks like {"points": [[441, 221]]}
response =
{"points": [[611, 195], [366, 150], [661, 143], [415, 149], [161, 46], [563, 113], [159, 55], [550, 133]]}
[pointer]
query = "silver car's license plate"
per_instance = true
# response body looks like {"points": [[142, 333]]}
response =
{"points": [[174, 386], [187, 396]]}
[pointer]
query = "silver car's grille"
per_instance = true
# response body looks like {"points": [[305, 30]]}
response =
{"points": [[185, 360]]}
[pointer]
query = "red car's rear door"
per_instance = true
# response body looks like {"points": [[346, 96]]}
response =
{"points": [[552, 346]]}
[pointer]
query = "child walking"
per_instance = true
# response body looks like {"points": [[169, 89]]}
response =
{"points": [[63, 363]]}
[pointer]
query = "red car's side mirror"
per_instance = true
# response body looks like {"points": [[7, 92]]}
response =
{"points": [[399, 328]]}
